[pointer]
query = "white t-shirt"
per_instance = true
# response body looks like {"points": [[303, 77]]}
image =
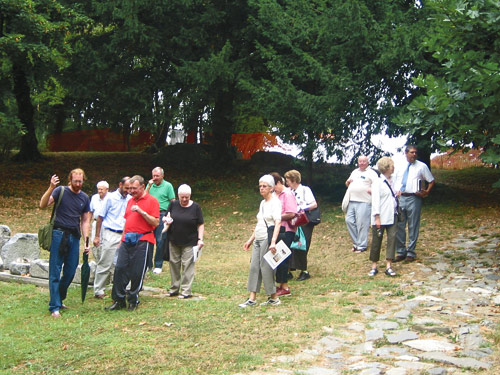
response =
{"points": [[361, 184], [270, 211]]}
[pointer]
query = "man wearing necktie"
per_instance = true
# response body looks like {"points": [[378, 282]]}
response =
{"points": [[410, 185]]}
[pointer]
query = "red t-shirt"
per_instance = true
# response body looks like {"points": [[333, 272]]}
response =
{"points": [[134, 222]]}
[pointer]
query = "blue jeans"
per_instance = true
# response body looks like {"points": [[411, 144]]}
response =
{"points": [[58, 286]]}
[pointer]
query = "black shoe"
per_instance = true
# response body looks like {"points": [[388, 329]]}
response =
{"points": [[304, 275], [118, 305], [289, 276], [132, 306], [410, 259], [400, 258]]}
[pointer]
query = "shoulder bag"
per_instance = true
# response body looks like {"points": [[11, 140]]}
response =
{"points": [[45, 232], [399, 211]]}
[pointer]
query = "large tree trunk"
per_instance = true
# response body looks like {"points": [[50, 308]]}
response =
{"points": [[223, 127], [161, 136], [29, 144]]}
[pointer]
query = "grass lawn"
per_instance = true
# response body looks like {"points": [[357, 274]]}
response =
{"points": [[212, 335]]}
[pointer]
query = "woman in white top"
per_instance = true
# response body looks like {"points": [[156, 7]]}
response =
{"points": [[269, 215], [383, 216], [305, 202]]}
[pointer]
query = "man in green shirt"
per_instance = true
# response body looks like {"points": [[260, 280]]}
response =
{"points": [[164, 192]]}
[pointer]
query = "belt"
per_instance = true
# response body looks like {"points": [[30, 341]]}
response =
{"points": [[114, 230], [408, 194], [163, 211]]}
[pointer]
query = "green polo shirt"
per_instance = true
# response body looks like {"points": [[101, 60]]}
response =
{"points": [[164, 193]]}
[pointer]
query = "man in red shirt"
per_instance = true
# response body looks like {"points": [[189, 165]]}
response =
{"points": [[142, 216]]}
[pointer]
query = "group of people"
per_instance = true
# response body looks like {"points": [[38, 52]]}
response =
{"points": [[391, 202], [129, 222], [126, 225], [275, 222]]}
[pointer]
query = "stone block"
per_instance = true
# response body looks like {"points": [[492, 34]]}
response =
{"points": [[22, 245], [20, 267], [40, 268], [4, 235]]}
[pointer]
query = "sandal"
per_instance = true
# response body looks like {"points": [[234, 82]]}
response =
{"points": [[390, 272], [185, 296], [373, 272]]}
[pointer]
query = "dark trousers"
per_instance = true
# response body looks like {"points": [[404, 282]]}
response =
{"points": [[130, 266], [282, 269], [160, 237], [299, 257]]}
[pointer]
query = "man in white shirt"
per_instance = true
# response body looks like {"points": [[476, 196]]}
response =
{"points": [[360, 202], [410, 182], [109, 229]]}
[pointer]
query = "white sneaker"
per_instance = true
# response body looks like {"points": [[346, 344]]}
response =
{"points": [[271, 302], [157, 271], [247, 303]]}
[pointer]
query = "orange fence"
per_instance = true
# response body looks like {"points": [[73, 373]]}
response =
{"points": [[106, 140], [97, 140]]}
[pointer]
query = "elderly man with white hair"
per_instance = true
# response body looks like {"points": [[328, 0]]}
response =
{"points": [[357, 218], [186, 229], [162, 190], [96, 205]]}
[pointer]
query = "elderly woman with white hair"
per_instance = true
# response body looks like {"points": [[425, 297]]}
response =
{"points": [[263, 239], [186, 228]]}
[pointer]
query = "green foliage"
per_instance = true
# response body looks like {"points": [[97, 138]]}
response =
{"points": [[10, 134], [331, 69], [460, 103]]}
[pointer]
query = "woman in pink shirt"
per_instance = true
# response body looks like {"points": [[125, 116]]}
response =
{"points": [[288, 210]]}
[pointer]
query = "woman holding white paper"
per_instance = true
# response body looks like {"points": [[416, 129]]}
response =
{"points": [[269, 215], [186, 228]]}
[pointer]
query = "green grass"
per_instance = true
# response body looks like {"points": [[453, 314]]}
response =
{"points": [[211, 335]]}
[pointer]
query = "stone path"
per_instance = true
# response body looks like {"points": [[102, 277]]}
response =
{"points": [[444, 329]]}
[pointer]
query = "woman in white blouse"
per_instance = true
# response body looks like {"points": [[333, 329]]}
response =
{"points": [[305, 202], [383, 216], [269, 216]]}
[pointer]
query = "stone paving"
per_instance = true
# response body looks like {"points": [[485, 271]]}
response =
{"points": [[442, 324]]}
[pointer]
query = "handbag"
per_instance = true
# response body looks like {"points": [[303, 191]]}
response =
{"points": [[45, 232], [299, 241], [314, 216], [299, 220], [399, 211], [270, 232], [345, 200]]}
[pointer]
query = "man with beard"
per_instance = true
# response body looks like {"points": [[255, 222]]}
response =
{"points": [[71, 221], [141, 218], [109, 229]]}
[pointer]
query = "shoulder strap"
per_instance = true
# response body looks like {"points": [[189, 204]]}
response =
{"points": [[390, 188], [394, 196], [53, 216], [263, 218]]}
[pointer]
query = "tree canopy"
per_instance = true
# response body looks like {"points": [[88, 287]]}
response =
{"points": [[460, 102], [323, 74]]}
